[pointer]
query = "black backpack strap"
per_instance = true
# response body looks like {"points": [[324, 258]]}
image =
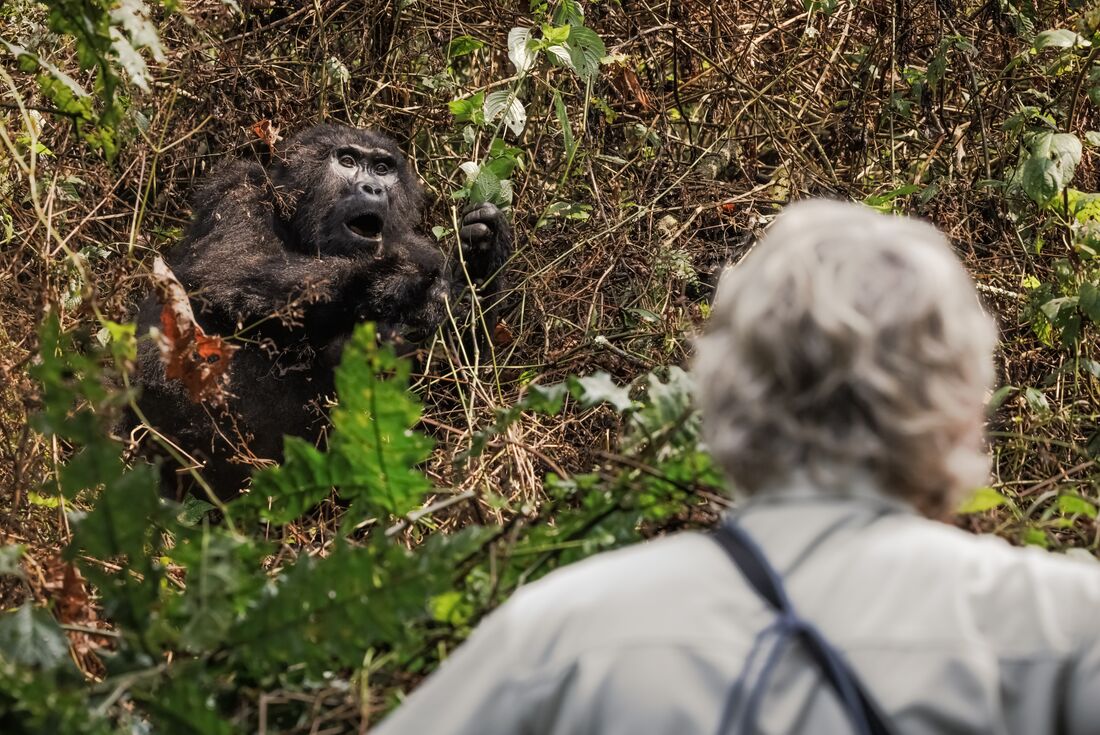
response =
{"points": [[749, 558]]}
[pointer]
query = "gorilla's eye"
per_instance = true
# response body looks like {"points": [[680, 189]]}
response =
{"points": [[347, 160], [381, 168]]}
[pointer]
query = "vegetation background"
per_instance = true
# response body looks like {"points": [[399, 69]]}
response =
{"points": [[642, 146]]}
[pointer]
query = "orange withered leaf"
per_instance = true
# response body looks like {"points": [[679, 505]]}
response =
{"points": [[502, 334], [198, 360], [268, 132]]}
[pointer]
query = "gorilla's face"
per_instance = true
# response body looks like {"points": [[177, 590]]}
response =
{"points": [[359, 218], [351, 192]]}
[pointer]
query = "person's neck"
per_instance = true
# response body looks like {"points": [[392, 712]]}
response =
{"points": [[845, 485]]}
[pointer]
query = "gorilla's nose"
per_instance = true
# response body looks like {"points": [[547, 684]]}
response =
{"points": [[372, 190]]}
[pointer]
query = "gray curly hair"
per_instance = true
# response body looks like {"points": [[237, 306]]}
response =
{"points": [[848, 341]]}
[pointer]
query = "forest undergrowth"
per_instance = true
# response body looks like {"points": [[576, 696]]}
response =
{"points": [[639, 148]]}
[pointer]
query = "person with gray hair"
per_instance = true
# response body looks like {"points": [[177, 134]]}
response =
{"points": [[842, 382]]}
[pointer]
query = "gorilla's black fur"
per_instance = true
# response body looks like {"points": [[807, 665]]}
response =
{"points": [[328, 226]]}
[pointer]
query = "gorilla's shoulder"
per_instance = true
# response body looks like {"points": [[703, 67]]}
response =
{"points": [[232, 180], [233, 196]]}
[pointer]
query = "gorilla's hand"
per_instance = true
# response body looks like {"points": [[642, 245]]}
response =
{"points": [[486, 240]]}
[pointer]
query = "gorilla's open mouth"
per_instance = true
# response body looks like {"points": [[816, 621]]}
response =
{"points": [[368, 226]]}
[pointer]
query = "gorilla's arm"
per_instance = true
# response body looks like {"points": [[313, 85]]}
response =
{"points": [[486, 241], [486, 238]]}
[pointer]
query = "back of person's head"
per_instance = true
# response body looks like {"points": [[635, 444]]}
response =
{"points": [[848, 342]]}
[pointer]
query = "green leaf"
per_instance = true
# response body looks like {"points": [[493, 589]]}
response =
{"points": [[1037, 401], [469, 109], [983, 499], [884, 202], [122, 340], [1055, 307], [1076, 505], [31, 637], [1065, 149], [222, 581], [561, 55], [374, 429], [499, 149], [133, 17], [1086, 366], [1058, 38], [586, 49], [566, 128], [504, 104], [502, 167], [130, 60], [303, 480], [326, 612], [599, 388], [462, 46], [119, 523], [645, 315], [193, 511], [70, 380], [937, 65], [451, 608], [1050, 165], [94, 464], [545, 399], [1040, 179], [555, 34], [568, 12], [521, 49], [563, 210], [1088, 300], [125, 526], [1064, 318], [999, 397], [10, 556], [1019, 121], [1084, 206], [460, 108], [185, 706], [667, 413], [486, 187], [1036, 537], [471, 169]]}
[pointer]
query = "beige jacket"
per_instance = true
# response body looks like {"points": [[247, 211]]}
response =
{"points": [[952, 633]]}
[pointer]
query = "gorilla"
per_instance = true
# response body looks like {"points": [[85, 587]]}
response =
{"points": [[288, 258]]}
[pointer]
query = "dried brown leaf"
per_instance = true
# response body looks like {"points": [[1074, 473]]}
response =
{"points": [[200, 361], [268, 132]]}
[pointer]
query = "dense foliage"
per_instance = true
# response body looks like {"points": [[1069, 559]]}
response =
{"points": [[198, 627], [640, 150]]}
